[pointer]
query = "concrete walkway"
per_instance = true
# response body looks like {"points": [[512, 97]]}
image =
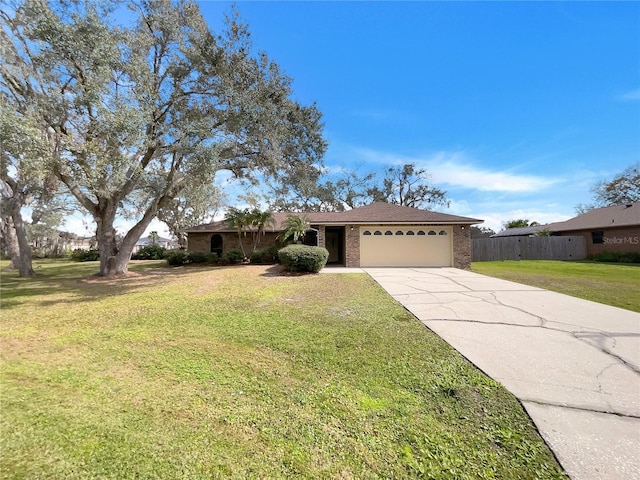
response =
{"points": [[574, 364]]}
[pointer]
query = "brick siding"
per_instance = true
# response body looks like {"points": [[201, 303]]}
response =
{"points": [[462, 247]]}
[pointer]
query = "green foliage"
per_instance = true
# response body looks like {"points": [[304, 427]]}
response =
{"points": [[481, 232], [624, 188], [617, 257], [176, 258], [196, 204], [153, 103], [234, 256], [519, 223], [150, 252], [303, 258], [253, 221], [295, 228], [265, 256], [83, 255], [201, 257]]}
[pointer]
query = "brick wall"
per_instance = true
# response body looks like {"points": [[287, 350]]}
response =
{"points": [[352, 246], [625, 239], [201, 242], [321, 235], [462, 246]]}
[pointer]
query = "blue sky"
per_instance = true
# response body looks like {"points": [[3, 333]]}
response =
{"points": [[515, 108]]}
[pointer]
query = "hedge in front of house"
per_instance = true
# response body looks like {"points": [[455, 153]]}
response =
{"points": [[150, 252], [303, 258], [617, 257]]}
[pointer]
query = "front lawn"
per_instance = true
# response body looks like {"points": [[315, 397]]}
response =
{"points": [[238, 372], [612, 284]]}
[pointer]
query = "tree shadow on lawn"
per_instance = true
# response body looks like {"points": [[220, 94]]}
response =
{"points": [[71, 288]]}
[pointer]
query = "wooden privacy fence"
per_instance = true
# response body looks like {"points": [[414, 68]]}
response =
{"points": [[528, 248]]}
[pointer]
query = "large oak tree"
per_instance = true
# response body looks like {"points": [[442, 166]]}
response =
{"points": [[141, 100]]}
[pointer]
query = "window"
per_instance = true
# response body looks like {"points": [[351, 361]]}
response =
{"points": [[399, 232], [410, 232], [366, 232], [377, 232], [388, 232], [216, 244], [442, 232], [431, 232], [597, 237], [421, 232]]}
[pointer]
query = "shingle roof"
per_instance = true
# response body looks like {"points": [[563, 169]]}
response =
{"points": [[378, 212], [521, 231], [606, 217]]}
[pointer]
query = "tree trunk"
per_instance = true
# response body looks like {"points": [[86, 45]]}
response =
{"points": [[23, 260], [10, 241], [106, 237], [114, 258]]}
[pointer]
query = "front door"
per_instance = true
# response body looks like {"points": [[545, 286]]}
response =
{"points": [[334, 243]]}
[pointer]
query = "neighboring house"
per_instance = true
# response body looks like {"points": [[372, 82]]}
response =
{"points": [[159, 241], [379, 234], [73, 242], [607, 229], [521, 231]]}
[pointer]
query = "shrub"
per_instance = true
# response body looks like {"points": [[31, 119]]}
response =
{"points": [[82, 255], [234, 256], [201, 257], [180, 257], [267, 256], [617, 257], [303, 258], [176, 258], [150, 252]]}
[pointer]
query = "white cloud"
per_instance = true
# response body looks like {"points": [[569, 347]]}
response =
{"points": [[630, 96], [454, 169], [495, 219]]}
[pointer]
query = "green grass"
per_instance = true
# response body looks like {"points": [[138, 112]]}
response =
{"points": [[238, 372], [612, 284]]}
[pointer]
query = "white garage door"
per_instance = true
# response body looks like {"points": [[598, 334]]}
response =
{"points": [[385, 246]]}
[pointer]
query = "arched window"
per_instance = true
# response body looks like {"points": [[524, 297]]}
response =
{"points": [[399, 232], [421, 232], [388, 232], [442, 232], [216, 244], [366, 232], [377, 232], [410, 232], [431, 232]]}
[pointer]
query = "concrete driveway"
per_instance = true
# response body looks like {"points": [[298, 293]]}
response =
{"points": [[574, 364]]}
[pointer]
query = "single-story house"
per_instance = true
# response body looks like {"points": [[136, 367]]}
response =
{"points": [[376, 235], [159, 241], [608, 229]]}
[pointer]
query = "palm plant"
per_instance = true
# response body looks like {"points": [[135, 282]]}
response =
{"points": [[259, 221], [295, 228], [239, 220]]}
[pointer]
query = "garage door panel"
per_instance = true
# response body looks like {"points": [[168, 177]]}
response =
{"points": [[382, 246]]}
